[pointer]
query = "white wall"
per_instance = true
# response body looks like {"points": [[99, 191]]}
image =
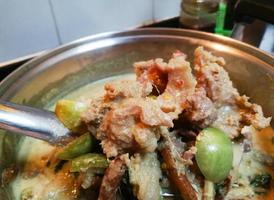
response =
{"points": [[29, 26], [26, 26]]}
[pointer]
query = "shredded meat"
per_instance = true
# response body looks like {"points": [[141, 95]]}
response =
{"points": [[212, 76], [126, 89], [112, 178], [201, 110], [213, 102], [179, 86], [233, 118], [152, 73], [181, 82], [129, 125], [252, 114], [176, 76], [94, 115]]}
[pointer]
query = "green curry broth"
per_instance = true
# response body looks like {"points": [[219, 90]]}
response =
{"points": [[46, 183], [36, 154]]}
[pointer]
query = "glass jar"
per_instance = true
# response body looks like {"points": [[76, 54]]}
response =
{"points": [[198, 14]]}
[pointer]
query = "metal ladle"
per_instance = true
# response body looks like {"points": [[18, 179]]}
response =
{"points": [[36, 123], [33, 122]]}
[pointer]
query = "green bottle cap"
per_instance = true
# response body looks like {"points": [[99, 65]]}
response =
{"points": [[220, 20]]}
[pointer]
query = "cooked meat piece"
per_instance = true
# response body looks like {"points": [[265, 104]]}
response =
{"points": [[231, 119], [180, 81], [125, 118], [112, 178], [201, 110], [175, 166], [181, 84], [228, 120], [152, 72], [115, 91], [149, 112], [94, 115], [213, 96], [126, 89], [129, 126], [215, 80], [212, 76], [128, 120], [144, 140], [145, 174], [117, 133], [252, 113]]}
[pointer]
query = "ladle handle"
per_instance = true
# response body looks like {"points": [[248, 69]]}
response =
{"points": [[31, 122]]}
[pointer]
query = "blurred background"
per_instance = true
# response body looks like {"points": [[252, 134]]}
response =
{"points": [[31, 26]]}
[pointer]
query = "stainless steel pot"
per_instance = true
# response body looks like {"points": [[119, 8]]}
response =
{"points": [[48, 78]]}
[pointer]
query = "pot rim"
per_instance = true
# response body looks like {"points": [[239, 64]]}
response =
{"points": [[251, 50]]}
